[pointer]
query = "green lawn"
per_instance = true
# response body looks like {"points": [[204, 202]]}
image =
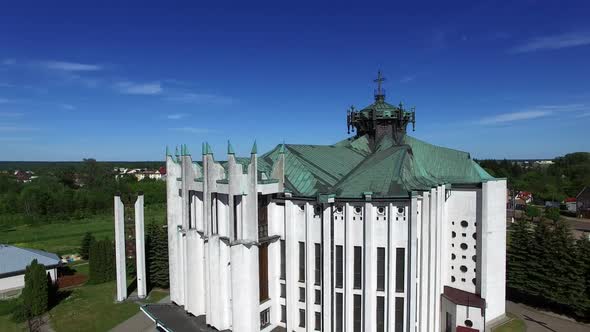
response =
{"points": [[87, 308], [514, 325], [65, 238]]}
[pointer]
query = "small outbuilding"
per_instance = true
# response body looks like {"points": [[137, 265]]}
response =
{"points": [[14, 261], [583, 203]]}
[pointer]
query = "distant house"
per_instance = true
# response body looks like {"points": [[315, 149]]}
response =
{"points": [[24, 176], [525, 196], [571, 204], [13, 262], [583, 203]]}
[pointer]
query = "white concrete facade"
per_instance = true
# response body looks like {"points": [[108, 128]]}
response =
{"points": [[227, 229]]}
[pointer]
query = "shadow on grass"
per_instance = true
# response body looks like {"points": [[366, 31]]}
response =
{"points": [[132, 286], [58, 297]]}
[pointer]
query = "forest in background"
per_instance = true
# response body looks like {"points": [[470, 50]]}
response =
{"points": [[566, 177], [66, 191]]}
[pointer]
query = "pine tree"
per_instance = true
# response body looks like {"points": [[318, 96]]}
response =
{"points": [[102, 261], [36, 293], [87, 241], [539, 267], [518, 255], [157, 256], [582, 307]]}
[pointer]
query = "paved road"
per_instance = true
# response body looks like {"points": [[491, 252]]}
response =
{"points": [[139, 322], [537, 321]]}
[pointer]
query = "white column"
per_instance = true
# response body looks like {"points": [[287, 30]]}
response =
{"points": [[327, 268], [120, 249], [411, 296], [370, 270], [140, 247]]}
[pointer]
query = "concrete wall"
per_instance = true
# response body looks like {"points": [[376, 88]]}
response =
{"points": [[214, 249]]}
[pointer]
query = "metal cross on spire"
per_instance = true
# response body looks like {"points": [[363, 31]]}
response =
{"points": [[380, 79]]}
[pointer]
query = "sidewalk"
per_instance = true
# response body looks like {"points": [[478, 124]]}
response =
{"points": [[139, 322], [538, 321]]}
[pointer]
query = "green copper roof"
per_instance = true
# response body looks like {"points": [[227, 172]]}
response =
{"points": [[351, 167], [230, 149]]}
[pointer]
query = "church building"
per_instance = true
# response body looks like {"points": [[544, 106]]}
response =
{"points": [[378, 232]]}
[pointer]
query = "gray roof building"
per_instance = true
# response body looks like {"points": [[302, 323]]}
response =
{"points": [[14, 260]]}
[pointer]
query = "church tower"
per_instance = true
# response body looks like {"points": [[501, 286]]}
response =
{"points": [[381, 119]]}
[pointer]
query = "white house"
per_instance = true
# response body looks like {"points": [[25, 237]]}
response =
{"points": [[378, 232], [13, 262]]}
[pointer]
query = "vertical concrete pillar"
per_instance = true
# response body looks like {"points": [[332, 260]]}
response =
{"points": [[140, 247], [120, 249]]}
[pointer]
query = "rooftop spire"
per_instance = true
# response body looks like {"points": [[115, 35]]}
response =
{"points": [[379, 92], [254, 148], [230, 149]]}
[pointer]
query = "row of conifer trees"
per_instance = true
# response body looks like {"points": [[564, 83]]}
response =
{"points": [[548, 268]]}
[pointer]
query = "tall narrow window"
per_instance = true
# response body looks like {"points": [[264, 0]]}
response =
{"points": [[263, 272], [380, 314], [283, 260], [339, 313], [318, 321], [357, 313], [339, 267], [400, 263], [301, 261], [358, 267], [301, 318], [380, 269], [318, 264], [318, 296], [283, 290], [301, 294], [399, 314]]}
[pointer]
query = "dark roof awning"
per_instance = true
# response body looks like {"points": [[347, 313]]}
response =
{"points": [[462, 297]]}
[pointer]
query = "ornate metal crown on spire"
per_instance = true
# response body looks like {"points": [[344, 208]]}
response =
{"points": [[380, 118]]}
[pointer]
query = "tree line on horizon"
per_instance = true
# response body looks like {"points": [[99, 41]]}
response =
{"points": [[68, 193], [566, 177]]}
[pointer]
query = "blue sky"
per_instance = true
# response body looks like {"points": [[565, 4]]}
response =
{"points": [[114, 82]]}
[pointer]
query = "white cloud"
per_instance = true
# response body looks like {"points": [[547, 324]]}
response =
{"points": [[10, 114], [176, 116], [201, 98], [5, 129], [533, 113], [69, 66], [554, 42], [515, 116], [407, 79], [191, 130], [132, 88]]}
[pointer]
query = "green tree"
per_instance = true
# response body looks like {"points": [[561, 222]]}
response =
{"points": [[539, 267], [518, 258], [532, 212], [157, 256], [102, 261], [36, 292], [552, 214], [87, 241]]}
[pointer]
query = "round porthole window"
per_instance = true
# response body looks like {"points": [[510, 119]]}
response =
{"points": [[453, 256], [381, 210], [468, 323], [474, 236], [454, 234], [452, 279], [358, 210], [474, 258], [400, 210], [463, 268], [464, 246], [464, 223], [339, 209], [474, 281]]}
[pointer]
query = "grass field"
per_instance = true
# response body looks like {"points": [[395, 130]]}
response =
{"points": [[86, 308], [65, 238], [514, 325]]}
